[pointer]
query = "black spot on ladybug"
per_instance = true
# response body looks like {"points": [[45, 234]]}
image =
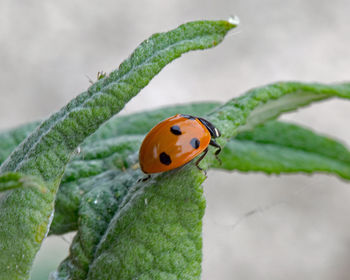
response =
{"points": [[175, 129], [164, 158], [195, 143], [188, 117]]}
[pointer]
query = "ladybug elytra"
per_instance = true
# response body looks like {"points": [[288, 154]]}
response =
{"points": [[176, 141]]}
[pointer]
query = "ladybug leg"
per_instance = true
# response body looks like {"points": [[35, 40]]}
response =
{"points": [[200, 159], [216, 145], [144, 179]]}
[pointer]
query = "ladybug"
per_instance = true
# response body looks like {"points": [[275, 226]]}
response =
{"points": [[175, 142]]}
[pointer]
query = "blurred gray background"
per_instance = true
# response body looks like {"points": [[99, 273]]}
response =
{"points": [[256, 226]]}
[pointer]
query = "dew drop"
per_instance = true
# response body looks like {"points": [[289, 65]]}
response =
{"points": [[78, 150], [234, 20]]}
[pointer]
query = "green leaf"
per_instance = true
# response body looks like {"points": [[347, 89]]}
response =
{"points": [[268, 102], [107, 186], [88, 171], [10, 139], [274, 147], [137, 242], [79, 176], [48, 149], [28, 235], [278, 147], [96, 209], [13, 180], [104, 151], [157, 233], [83, 172]]}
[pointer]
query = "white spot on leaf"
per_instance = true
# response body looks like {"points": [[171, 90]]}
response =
{"points": [[234, 20]]}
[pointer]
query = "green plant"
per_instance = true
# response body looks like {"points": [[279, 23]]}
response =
{"points": [[147, 230]]}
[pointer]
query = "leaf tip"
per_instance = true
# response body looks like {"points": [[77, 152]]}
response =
{"points": [[228, 24]]}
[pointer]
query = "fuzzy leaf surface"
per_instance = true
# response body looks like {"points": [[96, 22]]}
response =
{"points": [[88, 171], [28, 235], [13, 180], [96, 209], [104, 151], [268, 102], [11, 138], [272, 148], [49, 148], [83, 172], [136, 245], [100, 193], [280, 147], [157, 232]]}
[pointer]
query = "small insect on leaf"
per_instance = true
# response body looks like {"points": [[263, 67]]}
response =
{"points": [[175, 142]]}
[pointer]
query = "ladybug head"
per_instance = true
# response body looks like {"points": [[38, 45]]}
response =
{"points": [[214, 132]]}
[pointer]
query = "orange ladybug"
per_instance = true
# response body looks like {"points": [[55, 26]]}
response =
{"points": [[176, 141]]}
